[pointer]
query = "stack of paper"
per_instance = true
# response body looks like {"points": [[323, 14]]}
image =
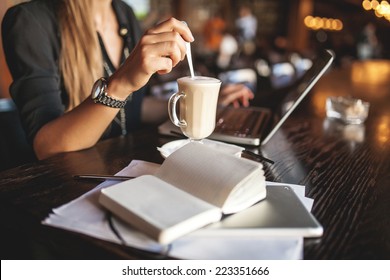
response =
{"points": [[193, 187], [86, 216]]}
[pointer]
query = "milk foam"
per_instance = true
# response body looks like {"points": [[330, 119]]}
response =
{"points": [[198, 79]]}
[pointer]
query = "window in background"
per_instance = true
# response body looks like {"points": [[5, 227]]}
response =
{"points": [[141, 7]]}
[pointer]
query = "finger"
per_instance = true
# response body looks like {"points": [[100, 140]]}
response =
{"points": [[232, 98], [246, 92], [173, 24], [174, 38], [246, 96], [234, 94], [226, 100], [230, 88], [237, 89], [245, 101], [169, 50], [161, 65]]}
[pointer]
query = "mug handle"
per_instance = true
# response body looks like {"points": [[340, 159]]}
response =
{"points": [[172, 109]]}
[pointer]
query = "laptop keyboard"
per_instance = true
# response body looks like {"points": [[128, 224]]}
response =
{"points": [[241, 122]]}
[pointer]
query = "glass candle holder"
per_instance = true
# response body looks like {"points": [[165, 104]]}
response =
{"points": [[347, 109]]}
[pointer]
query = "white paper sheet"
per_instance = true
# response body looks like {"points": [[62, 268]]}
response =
{"points": [[86, 216]]}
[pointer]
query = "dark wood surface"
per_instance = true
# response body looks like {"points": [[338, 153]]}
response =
{"points": [[345, 168]]}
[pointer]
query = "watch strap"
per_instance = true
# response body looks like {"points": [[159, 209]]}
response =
{"points": [[110, 101], [104, 99]]}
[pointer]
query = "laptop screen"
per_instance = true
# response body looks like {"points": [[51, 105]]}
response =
{"points": [[320, 64], [255, 126]]}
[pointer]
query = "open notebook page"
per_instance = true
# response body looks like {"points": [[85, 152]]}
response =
{"points": [[215, 176]]}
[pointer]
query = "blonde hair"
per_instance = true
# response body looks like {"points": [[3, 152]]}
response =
{"points": [[81, 61]]}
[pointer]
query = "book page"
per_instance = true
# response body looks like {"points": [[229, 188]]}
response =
{"points": [[207, 173], [157, 208]]}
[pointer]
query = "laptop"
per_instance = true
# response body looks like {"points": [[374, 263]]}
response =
{"points": [[255, 126]]}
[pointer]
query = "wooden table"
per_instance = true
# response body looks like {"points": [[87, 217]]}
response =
{"points": [[345, 168]]}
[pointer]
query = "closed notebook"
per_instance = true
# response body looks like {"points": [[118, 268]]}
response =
{"points": [[281, 214], [194, 187]]}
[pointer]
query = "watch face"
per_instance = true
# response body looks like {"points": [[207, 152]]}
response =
{"points": [[99, 95], [97, 88]]}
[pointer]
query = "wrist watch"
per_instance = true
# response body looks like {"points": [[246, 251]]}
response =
{"points": [[99, 95]]}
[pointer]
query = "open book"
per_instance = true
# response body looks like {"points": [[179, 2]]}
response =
{"points": [[194, 187]]}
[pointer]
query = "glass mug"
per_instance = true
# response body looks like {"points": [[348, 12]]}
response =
{"points": [[198, 99]]}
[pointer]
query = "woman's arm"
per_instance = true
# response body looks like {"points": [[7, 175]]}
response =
{"points": [[159, 50], [32, 51]]}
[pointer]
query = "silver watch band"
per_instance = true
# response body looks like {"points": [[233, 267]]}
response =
{"points": [[99, 95], [109, 101]]}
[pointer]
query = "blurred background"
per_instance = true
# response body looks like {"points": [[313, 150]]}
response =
{"points": [[273, 38], [265, 44]]}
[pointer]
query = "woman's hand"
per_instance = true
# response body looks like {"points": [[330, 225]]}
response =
{"points": [[158, 51], [235, 94]]}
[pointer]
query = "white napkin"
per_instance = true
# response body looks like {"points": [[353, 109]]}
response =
{"points": [[170, 147], [86, 216]]}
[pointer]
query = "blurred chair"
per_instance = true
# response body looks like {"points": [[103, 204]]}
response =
{"points": [[14, 148], [263, 68], [282, 74], [245, 76], [301, 64]]}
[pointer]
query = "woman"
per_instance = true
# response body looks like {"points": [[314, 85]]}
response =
{"points": [[57, 50]]}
